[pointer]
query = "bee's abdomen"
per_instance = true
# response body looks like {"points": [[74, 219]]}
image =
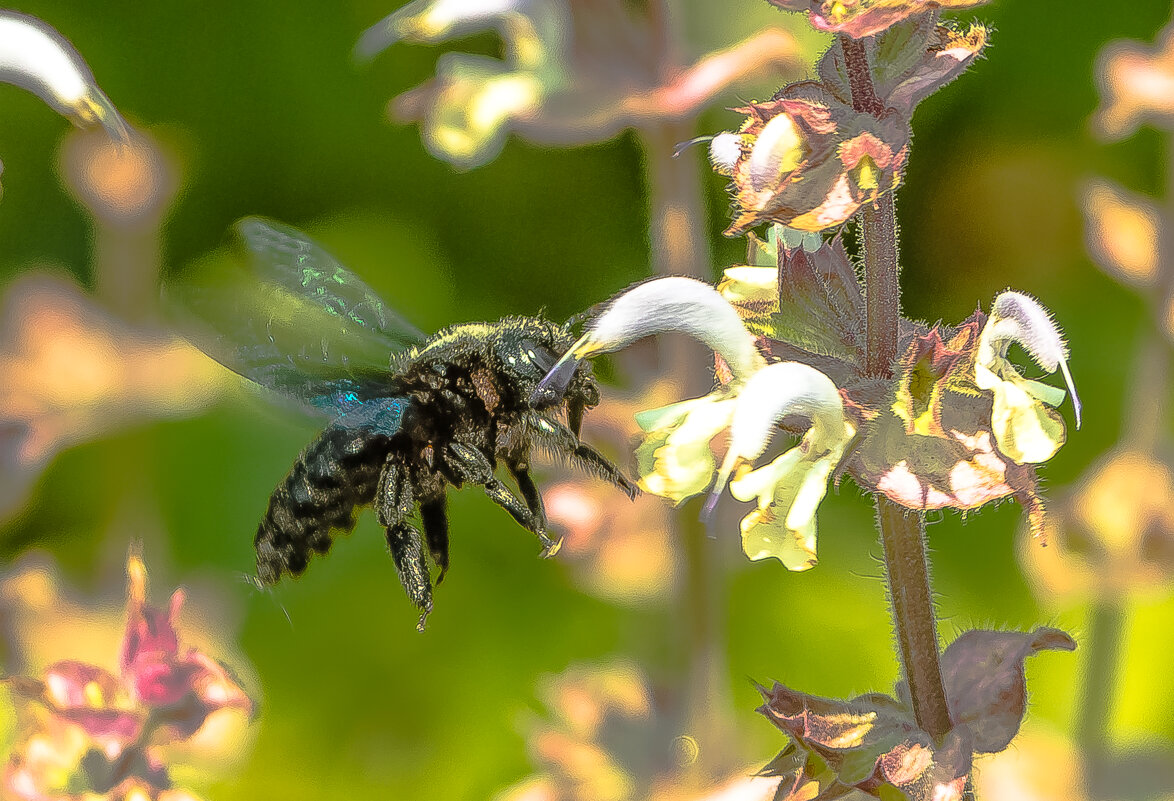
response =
{"points": [[335, 474]]}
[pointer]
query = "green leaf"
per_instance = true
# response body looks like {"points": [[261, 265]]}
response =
{"points": [[901, 48]]}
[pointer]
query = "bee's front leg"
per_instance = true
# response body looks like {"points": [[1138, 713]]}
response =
{"points": [[562, 438], [521, 472]]}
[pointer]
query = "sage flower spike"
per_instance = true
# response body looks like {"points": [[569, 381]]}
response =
{"points": [[35, 57], [789, 489], [675, 303], [1025, 428], [434, 21]]}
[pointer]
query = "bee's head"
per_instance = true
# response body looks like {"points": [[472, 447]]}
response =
{"points": [[528, 347]]}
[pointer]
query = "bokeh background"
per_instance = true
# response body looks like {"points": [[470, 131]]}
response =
{"points": [[260, 110]]}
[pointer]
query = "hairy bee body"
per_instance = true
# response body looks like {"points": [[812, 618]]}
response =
{"points": [[451, 410], [410, 415]]}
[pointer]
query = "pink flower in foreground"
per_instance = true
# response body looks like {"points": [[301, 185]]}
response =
{"points": [[87, 733]]}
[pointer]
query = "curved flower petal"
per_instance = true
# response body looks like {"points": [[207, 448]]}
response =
{"points": [[1025, 428], [790, 488], [675, 303], [675, 460], [434, 21], [35, 57]]}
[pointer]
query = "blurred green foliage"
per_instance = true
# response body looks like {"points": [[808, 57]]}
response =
{"points": [[270, 117]]}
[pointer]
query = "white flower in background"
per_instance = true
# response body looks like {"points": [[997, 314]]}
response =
{"points": [[35, 57], [477, 96], [571, 73], [789, 489], [675, 459], [1026, 427]]}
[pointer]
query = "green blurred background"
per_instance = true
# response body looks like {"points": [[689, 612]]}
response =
{"points": [[268, 115]]}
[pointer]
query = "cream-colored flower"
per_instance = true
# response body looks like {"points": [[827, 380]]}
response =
{"points": [[35, 57], [789, 489], [746, 285], [467, 110], [1027, 429], [675, 459]]}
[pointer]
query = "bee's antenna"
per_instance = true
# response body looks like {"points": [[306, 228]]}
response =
{"points": [[265, 589], [683, 146]]}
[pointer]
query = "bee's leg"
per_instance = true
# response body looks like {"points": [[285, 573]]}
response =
{"points": [[521, 472], [394, 502], [407, 549], [575, 418], [435, 516], [394, 499], [472, 466], [563, 439]]}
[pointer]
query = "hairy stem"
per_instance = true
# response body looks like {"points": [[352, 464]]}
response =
{"points": [[903, 537], [882, 290], [902, 533]]}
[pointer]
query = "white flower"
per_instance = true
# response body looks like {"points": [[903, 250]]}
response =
{"points": [[789, 489], [675, 303], [676, 460], [724, 151], [35, 57], [1025, 427]]}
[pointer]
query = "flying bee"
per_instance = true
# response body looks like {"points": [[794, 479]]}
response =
{"points": [[409, 415]]}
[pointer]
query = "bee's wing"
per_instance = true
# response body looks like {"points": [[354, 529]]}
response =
{"points": [[286, 257], [299, 323]]}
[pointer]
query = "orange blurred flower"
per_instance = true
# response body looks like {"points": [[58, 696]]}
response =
{"points": [[608, 737], [70, 371], [1113, 536], [620, 549], [1137, 86]]}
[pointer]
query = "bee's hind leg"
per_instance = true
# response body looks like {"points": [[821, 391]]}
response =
{"points": [[471, 465], [434, 514], [394, 502]]}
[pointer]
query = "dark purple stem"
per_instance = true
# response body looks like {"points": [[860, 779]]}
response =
{"points": [[902, 532]]}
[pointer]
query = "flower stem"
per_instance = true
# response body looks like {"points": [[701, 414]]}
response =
{"points": [[879, 222], [1102, 647], [902, 533], [679, 246], [903, 537]]}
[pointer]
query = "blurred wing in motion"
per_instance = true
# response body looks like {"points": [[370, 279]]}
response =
{"points": [[299, 323]]}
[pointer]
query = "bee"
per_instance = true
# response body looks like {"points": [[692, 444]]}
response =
{"points": [[408, 415]]}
